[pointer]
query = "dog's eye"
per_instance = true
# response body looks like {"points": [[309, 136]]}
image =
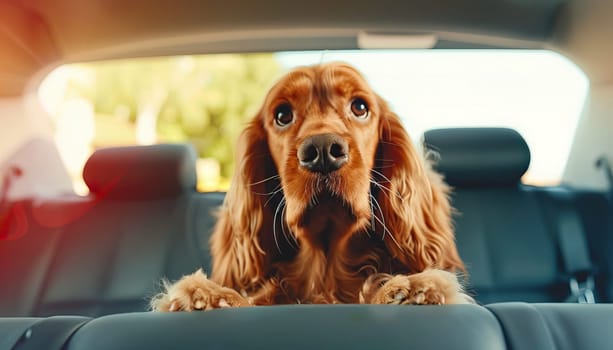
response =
{"points": [[284, 115], [359, 108]]}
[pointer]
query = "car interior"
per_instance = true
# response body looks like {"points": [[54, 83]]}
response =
{"points": [[76, 272]]}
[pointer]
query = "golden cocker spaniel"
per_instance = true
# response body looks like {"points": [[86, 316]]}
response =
{"points": [[330, 203]]}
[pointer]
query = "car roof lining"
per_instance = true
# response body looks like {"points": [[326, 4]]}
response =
{"points": [[60, 31], [82, 26]]}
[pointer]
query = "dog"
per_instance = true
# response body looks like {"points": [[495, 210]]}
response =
{"points": [[330, 203]]}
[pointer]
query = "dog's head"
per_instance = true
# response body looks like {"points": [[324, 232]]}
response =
{"points": [[325, 158], [322, 124]]}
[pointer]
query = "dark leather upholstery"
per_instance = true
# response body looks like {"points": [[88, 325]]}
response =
{"points": [[107, 253], [299, 327], [133, 233], [24, 262], [503, 231], [141, 172], [13, 329], [513, 326], [596, 212], [555, 326], [506, 244], [50, 333], [481, 157]]}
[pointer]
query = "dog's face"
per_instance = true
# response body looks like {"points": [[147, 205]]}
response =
{"points": [[322, 126]]}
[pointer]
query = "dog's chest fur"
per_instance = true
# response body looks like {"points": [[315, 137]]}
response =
{"points": [[334, 257]]}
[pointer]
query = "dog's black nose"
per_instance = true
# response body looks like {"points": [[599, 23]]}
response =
{"points": [[323, 153]]}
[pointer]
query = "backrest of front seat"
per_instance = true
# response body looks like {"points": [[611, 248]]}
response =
{"points": [[117, 245], [501, 230]]}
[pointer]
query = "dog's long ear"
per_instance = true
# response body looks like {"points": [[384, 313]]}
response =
{"points": [[238, 252], [414, 202]]}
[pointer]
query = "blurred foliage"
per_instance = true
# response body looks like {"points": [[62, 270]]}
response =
{"points": [[205, 100]]}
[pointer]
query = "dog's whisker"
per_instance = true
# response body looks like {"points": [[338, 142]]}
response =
{"points": [[283, 206], [264, 193], [378, 206], [385, 189], [273, 194], [396, 194], [274, 226], [283, 226], [385, 166], [389, 143], [382, 175], [385, 229], [372, 214], [380, 187], [395, 241], [266, 179]]}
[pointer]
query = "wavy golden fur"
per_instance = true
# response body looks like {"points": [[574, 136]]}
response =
{"points": [[376, 230]]}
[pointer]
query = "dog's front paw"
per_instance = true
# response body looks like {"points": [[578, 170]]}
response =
{"points": [[196, 292], [431, 287]]}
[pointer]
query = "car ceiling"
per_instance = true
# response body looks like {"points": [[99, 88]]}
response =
{"points": [[35, 35]]}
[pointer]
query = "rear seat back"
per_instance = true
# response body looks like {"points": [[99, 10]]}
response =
{"points": [[503, 232], [144, 221], [26, 249], [130, 231], [107, 253]]}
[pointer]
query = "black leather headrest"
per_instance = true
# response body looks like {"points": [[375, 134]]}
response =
{"points": [[479, 156], [141, 172]]}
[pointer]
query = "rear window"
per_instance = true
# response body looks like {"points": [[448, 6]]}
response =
{"points": [[206, 100]]}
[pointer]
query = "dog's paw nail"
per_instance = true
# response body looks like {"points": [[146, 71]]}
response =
{"points": [[174, 306], [199, 305], [223, 303], [420, 298], [442, 300]]}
